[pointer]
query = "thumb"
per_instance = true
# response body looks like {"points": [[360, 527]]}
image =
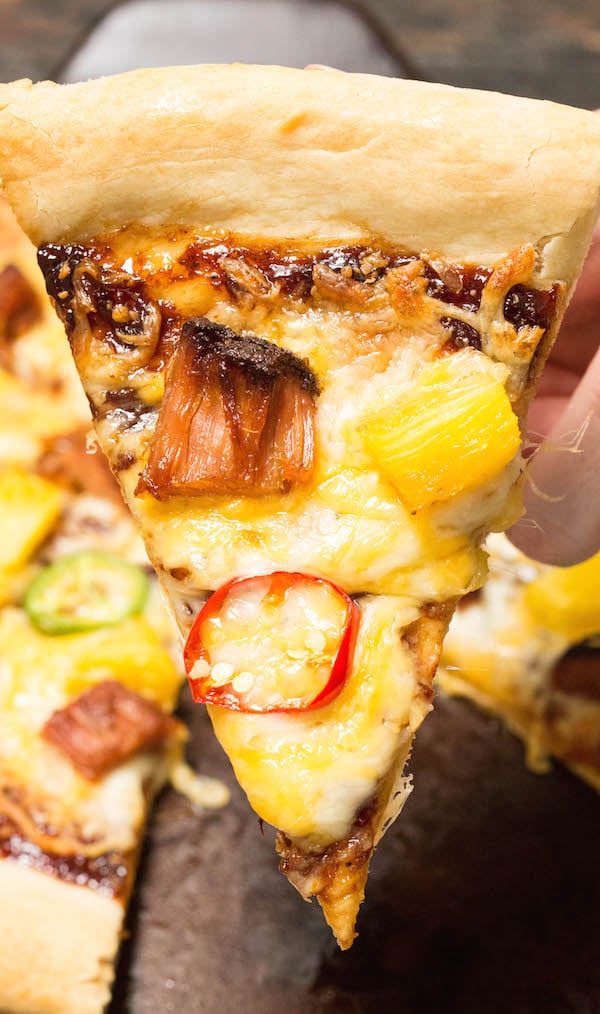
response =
{"points": [[562, 484]]}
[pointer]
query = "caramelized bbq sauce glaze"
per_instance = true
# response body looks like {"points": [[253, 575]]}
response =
{"points": [[351, 852], [91, 280], [293, 274], [109, 872]]}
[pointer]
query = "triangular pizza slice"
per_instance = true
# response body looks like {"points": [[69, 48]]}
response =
{"points": [[308, 311]]}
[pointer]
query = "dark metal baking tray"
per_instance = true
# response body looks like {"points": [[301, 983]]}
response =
{"points": [[483, 898]]}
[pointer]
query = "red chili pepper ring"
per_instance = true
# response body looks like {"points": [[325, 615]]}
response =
{"points": [[279, 642]]}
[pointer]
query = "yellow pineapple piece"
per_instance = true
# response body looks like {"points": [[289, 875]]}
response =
{"points": [[29, 509], [131, 653], [567, 600], [453, 430]]}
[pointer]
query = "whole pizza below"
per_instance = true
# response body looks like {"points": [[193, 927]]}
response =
{"points": [[308, 311]]}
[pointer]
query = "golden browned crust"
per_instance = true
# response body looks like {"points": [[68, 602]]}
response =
{"points": [[337, 876], [272, 151], [59, 944], [14, 244], [424, 638]]}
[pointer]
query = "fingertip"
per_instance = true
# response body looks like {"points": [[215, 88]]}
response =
{"points": [[561, 489], [556, 548], [559, 531]]}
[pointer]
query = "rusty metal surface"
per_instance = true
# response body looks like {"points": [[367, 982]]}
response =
{"points": [[483, 897]]}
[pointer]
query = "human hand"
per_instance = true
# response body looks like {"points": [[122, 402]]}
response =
{"points": [[562, 486]]}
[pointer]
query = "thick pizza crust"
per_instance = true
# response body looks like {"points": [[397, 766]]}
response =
{"points": [[277, 152], [59, 943]]}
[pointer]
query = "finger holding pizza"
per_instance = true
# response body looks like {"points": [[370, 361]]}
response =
{"points": [[562, 522]]}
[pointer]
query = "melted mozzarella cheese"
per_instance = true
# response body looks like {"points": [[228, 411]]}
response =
{"points": [[499, 654], [308, 773], [40, 674], [348, 524], [495, 642]]}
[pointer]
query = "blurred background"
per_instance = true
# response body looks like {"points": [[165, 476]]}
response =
{"points": [[538, 48]]}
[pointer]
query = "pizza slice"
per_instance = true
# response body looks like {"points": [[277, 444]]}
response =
{"points": [[308, 311], [40, 396], [526, 647], [87, 686], [86, 740], [87, 678]]}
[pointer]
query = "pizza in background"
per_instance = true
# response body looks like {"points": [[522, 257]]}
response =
{"points": [[87, 677], [527, 646], [40, 396], [308, 313]]}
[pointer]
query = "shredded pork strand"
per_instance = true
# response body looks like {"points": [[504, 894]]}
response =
{"points": [[105, 726], [237, 417]]}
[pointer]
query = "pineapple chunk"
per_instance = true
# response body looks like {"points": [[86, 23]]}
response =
{"points": [[454, 429], [29, 508], [130, 653], [567, 600]]}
